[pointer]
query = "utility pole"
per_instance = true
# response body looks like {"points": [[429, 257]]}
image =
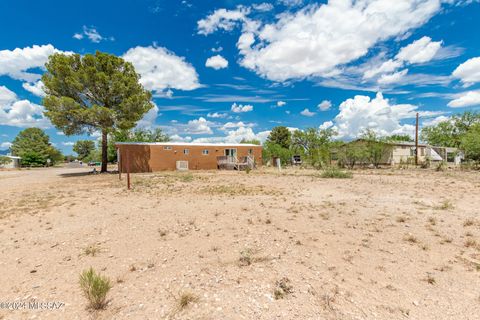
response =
{"points": [[416, 142]]}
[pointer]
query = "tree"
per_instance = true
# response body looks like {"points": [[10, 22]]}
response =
{"points": [[377, 150], [83, 148], [400, 138], [450, 133], [94, 92], [251, 141], [280, 136], [34, 147], [137, 135], [314, 144], [471, 143]]}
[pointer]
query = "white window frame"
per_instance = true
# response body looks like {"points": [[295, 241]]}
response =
{"points": [[186, 151], [205, 152], [167, 148]]}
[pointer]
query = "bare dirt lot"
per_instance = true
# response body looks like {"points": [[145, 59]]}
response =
{"points": [[386, 244]]}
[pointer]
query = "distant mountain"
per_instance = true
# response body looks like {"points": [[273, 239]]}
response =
{"points": [[4, 152]]}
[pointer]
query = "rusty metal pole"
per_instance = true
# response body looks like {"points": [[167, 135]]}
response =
{"points": [[416, 142], [119, 164], [128, 169]]}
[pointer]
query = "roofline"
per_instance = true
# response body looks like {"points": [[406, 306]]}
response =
{"points": [[189, 144]]}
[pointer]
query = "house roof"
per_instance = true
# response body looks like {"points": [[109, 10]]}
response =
{"points": [[12, 157], [189, 144]]}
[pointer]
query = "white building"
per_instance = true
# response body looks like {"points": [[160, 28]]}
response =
{"points": [[13, 164]]}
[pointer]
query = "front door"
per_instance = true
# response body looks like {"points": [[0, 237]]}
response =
{"points": [[231, 152]]}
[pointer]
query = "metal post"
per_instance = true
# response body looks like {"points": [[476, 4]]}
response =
{"points": [[128, 169], [119, 164], [416, 142]]}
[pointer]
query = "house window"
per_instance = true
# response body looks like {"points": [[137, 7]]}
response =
{"points": [[231, 152], [250, 151], [186, 151], [205, 152], [167, 148]]}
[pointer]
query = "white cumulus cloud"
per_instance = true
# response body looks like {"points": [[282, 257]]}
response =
{"points": [[36, 88], [6, 96], [361, 112], [23, 113], [307, 113], [216, 62], [198, 126], [466, 99], [17, 63], [330, 35], [281, 103], [324, 105], [468, 72], [238, 108], [420, 51], [161, 69]]}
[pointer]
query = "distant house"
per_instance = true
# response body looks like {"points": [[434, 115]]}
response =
{"points": [[405, 151], [14, 163], [158, 156]]}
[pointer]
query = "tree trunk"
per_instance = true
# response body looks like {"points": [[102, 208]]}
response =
{"points": [[104, 151]]}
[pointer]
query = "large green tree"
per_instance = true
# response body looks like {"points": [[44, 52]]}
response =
{"points": [[34, 147], [450, 133], [281, 136], [136, 135], [471, 143], [94, 92], [83, 148], [314, 144]]}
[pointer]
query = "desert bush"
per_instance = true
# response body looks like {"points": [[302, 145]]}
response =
{"points": [[335, 173], [95, 288], [185, 299], [282, 288], [442, 166]]}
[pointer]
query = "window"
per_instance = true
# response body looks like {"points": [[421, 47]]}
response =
{"points": [[186, 151], [205, 152], [250, 151], [167, 148], [231, 152]]}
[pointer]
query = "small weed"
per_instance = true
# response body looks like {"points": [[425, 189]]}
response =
{"points": [[430, 279], [432, 221], [469, 223], [245, 258], [410, 238], [470, 243], [445, 205], [401, 219], [282, 288], [95, 288], [91, 250], [185, 299], [335, 173]]}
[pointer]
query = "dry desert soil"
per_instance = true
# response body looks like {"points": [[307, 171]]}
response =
{"points": [[385, 244]]}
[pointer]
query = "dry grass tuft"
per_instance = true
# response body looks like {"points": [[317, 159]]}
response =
{"points": [[282, 288], [91, 250], [185, 299], [95, 288]]}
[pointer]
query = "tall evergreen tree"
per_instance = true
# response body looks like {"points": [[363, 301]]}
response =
{"points": [[93, 92]]}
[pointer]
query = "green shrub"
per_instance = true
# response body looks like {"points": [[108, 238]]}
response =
{"points": [[95, 288], [336, 173]]}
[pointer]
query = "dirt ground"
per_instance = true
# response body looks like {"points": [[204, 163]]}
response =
{"points": [[386, 244]]}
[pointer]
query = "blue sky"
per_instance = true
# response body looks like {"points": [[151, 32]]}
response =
{"points": [[221, 71]]}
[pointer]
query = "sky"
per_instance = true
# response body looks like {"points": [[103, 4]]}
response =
{"points": [[225, 70]]}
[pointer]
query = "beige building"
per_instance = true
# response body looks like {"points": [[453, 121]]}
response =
{"points": [[403, 152]]}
